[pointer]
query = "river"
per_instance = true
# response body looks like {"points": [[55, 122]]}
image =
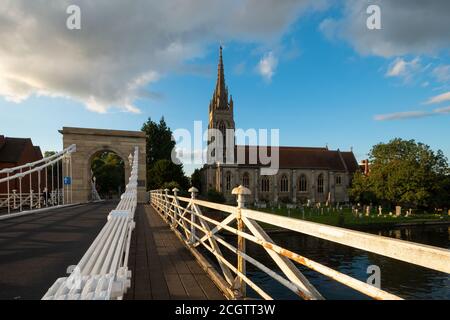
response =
{"points": [[397, 277]]}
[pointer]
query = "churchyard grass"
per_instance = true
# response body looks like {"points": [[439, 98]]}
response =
{"points": [[346, 218]]}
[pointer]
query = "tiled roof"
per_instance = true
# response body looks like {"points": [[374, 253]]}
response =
{"points": [[303, 158], [12, 149]]}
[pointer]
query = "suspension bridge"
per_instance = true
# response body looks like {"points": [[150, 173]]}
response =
{"points": [[61, 242]]}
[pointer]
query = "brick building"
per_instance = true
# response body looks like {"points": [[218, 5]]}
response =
{"points": [[15, 152]]}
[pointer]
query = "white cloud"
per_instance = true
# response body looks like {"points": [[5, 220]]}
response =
{"points": [[402, 68], [442, 73], [401, 115], [444, 110], [412, 114], [123, 46], [267, 66], [407, 27], [439, 98]]}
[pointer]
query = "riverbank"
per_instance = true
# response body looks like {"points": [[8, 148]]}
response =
{"points": [[346, 219]]}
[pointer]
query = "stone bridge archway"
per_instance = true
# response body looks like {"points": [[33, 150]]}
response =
{"points": [[91, 141]]}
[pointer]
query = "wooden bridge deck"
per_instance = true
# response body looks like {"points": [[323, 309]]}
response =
{"points": [[162, 268]]}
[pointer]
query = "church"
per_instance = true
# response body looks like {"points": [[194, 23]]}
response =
{"points": [[304, 175]]}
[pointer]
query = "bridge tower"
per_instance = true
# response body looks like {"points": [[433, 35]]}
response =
{"points": [[90, 142]]}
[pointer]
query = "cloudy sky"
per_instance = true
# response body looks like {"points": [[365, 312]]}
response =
{"points": [[310, 68]]}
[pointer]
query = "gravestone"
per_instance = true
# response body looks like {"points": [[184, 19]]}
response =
{"points": [[398, 211]]}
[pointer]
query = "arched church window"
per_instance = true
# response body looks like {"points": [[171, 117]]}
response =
{"points": [[228, 181], [338, 180], [320, 183], [265, 184], [284, 184], [246, 180], [302, 183]]}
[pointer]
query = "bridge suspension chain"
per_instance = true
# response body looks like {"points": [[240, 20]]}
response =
{"points": [[28, 187]]}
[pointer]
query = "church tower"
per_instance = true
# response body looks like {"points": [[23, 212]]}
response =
{"points": [[221, 118]]}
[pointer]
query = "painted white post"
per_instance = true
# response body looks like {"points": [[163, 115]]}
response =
{"points": [[39, 189], [7, 186], [241, 192], [14, 199], [175, 209], [46, 186], [193, 191], [31, 199], [20, 191], [166, 202]]}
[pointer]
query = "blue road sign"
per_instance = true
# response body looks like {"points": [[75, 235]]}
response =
{"points": [[67, 180]]}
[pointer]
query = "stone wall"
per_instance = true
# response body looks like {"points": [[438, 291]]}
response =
{"points": [[338, 192]]}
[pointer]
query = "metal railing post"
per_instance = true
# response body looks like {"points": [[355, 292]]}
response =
{"points": [[9, 205], [166, 202], [39, 189], [46, 186], [175, 209], [14, 199], [31, 199], [241, 191], [20, 190], [193, 191]]}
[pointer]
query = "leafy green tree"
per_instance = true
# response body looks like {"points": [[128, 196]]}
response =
{"points": [[159, 141], [171, 185], [361, 191], [165, 171], [403, 172], [109, 170], [196, 179], [161, 169]]}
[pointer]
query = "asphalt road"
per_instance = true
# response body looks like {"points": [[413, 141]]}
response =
{"points": [[36, 249]]}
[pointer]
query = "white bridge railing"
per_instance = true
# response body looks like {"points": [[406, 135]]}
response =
{"points": [[36, 185], [102, 273], [197, 229]]}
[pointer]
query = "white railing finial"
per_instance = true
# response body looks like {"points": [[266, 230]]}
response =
{"points": [[193, 191], [241, 191]]}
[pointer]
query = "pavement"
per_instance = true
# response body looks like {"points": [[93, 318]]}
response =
{"points": [[36, 249]]}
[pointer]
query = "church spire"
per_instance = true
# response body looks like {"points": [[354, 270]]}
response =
{"points": [[220, 98], [220, 74]]}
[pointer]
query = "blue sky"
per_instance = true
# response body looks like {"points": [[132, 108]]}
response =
{"points": [[324, 89]]}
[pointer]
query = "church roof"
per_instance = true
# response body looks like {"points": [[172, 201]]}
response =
{"points": [[300, 158]]}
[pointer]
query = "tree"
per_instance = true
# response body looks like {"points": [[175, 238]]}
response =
{"points": [[165, 171], [160, 167], [403, 172], [109, 170], [196, 179], [361, 189], [159, 141]]}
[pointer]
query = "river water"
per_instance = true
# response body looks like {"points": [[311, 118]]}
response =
{"points": [[400, 278]]}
